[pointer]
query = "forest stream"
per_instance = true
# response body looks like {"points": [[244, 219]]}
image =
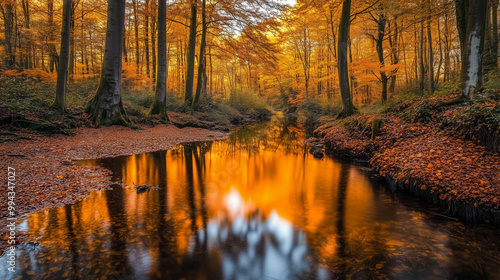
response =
{"points": [[257, 205]]}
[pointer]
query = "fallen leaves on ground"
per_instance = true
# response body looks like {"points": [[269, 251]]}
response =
{"points": [[46, 177], [458, 170]]}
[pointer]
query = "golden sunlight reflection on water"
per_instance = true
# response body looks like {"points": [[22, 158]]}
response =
{"points": [[256, 206]]}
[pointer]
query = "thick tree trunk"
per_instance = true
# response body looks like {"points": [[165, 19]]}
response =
{"points": [[106, 106], [62, 72], [8, 19], [159, 104], [201, 83], [473, 47], [345, 92], [188, 91]]}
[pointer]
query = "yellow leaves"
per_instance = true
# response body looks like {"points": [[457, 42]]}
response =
{"points": [[443, 196], [419, 155], [430, 165], [60, 177], [423, 187]]}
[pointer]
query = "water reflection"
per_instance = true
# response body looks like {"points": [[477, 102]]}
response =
{"points": [[256, 206]]}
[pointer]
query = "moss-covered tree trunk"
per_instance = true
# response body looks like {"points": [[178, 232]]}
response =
{"points": [[62, 71], [159, 104], [345, 92], [188, 92], [106, 106]]}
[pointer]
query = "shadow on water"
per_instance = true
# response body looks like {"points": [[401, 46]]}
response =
{"points": [[255, 206]]}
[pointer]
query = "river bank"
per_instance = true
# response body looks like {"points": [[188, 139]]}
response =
{"points": [[45, 175], [458, 175]]}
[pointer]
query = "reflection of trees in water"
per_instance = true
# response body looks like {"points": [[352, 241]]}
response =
{"points": [[150, 243], [280, 133]]}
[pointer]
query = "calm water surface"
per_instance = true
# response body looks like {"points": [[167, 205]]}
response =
{"points": [[255, 206]]}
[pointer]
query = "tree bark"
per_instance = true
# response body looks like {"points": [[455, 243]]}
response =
{"points": [[146, 37], [379, 40], [136, 29], [62, 71], [421, 67], [106, 106], [159, 104], [343, 71], [201, 83], [8, 19], [153, 47], [429, 44], [494, 33], [188, 91], [472, 47]]}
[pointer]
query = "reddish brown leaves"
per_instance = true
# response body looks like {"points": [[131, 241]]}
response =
{"points": [[454, 168]]}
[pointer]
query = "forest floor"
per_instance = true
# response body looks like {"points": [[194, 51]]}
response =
{"points": [[447, 155], [45, 175]]}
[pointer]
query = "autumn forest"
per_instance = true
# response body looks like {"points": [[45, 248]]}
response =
{"points": [[249, 139]]}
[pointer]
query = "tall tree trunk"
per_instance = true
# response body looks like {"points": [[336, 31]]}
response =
{"points": [[447, 60], [159, 104], [146, 36], [106, 106], [494, 33], [345, 92], [421, 67], [473, 45], [490, 54], [394, 44], [379, 40], [27, 54], [125, 49], [72, 50], [53, 59], [201, 83], [62, 71], [431, 55], [8, 19], [136, 29], [153, 47], [188, 92]]}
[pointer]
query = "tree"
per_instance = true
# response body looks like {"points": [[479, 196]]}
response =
{"points": [[188, 91], [201, 83], [62, 71], [8, 13], [158, 106], [381, 20], [471, 24], [345, 92], [106, 107]]}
